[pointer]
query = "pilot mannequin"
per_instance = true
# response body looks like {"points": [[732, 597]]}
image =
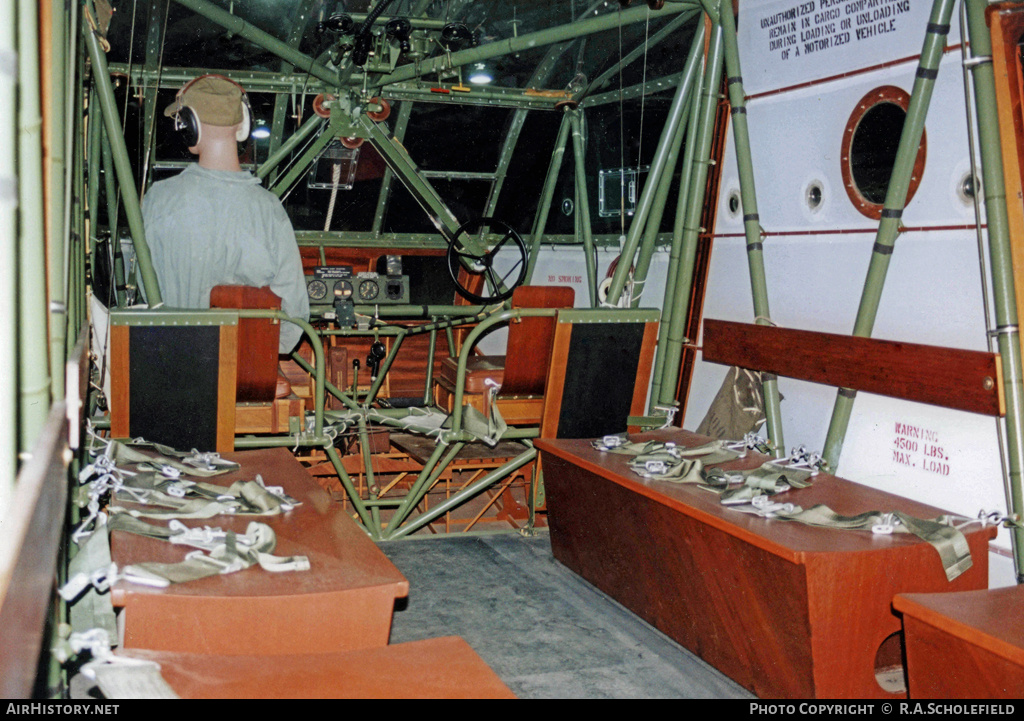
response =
{"points": [[213, 224]]}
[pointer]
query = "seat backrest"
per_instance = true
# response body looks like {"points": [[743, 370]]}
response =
{"points": [[600, 370], [529, 339], [172, 377], [257, 340]]}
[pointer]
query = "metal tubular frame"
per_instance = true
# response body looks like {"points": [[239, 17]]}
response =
{"points": [[1001, 267], [126, 179], [895, 201], [663, 182], [670, 343], [658, 167], [33, 351], [751, 220], [582, 214]]}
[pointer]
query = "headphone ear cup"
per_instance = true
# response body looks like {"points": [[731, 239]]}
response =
{"points": [[243, 130], [186, 121]]}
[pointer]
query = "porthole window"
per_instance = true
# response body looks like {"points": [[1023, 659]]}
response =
{"points": [[870, 143]]}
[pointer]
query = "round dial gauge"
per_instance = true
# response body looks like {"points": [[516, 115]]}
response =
{"points": [[368, 290], [316, 289], [343, 289]]}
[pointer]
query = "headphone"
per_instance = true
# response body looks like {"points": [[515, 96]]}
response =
{"points": [[186, 119]]}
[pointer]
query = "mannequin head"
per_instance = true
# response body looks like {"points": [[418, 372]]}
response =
{"points": [[212, 113]]}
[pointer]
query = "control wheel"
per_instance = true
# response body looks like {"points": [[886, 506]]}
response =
{"points": [[503, 265]]}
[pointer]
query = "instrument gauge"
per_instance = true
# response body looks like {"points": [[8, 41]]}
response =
{"points": [[343, 290], [316, 289], [368, 290]]}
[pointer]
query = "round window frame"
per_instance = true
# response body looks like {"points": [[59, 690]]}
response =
{"points": [[885, 94]]}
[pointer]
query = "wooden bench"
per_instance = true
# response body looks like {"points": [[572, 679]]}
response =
{"points": [[435, 668], [785, 609], [964, 645], [344, 601]]}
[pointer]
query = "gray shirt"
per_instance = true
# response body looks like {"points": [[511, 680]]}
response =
{"points": [[214, 227]]}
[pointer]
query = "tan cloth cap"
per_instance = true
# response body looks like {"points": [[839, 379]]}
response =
{"points": [[216, 100]]}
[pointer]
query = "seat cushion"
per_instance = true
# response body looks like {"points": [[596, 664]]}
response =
{"points": [[479, 369]]}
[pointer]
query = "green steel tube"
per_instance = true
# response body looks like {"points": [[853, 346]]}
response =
{"points": [[676, 249], [401, 124], [667, 31], [274, 159], [300, 166], [465, 494], [265, 40], [674, 337], [470, 341], [661, 157], [751, 220], [433, 468], [58, 192], [118, 279], [34, 381], [529, 41], [428, 383], [367, 454], [397, 158], [583, 203], [895, 200], [547, 195], [122, 163], [664, 180], [353, 494], [1001, 263], [93, 159]]}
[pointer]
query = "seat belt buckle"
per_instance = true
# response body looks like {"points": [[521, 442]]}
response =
{"points": [[886, 527], [655, 466]]}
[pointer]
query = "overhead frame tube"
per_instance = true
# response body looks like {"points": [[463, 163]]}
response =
{"points": [[264, 40], [1000, 259], [751, 219], [672, 342], [125, 177], [892, 211], [528, 41], [658, 165]]}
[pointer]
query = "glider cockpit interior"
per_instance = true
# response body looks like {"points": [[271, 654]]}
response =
{"points": [[300, 282]]}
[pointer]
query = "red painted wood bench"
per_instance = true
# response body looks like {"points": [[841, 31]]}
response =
{"points": [[345, 601], [964, 645], [784, 609], [435, 668]]}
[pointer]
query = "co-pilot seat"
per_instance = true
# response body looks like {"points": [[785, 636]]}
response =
{"points": [[195, 378], [264, 397], [521, 373]]}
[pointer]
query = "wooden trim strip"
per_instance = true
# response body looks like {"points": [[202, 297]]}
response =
{"points": [[226, 379], [948, 377]]}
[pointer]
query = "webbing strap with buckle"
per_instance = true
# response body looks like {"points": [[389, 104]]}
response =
{"points": [[950, 543]]}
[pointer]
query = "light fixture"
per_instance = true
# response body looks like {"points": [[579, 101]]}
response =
{"points": [[260, 131], [480, 74]]}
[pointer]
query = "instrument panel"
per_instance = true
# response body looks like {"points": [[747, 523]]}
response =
{"points": [[332, 283]]}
